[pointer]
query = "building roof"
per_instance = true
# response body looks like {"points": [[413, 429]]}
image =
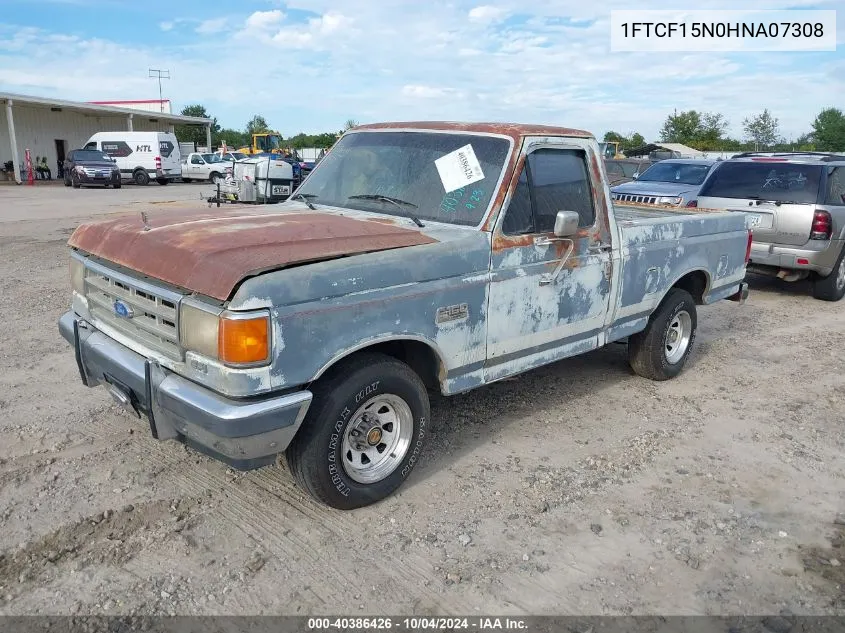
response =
{"points": [[683, 150], [80, 106]]}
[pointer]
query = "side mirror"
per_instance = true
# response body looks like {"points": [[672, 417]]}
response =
{"points": [[636, 175], [566, 223]]}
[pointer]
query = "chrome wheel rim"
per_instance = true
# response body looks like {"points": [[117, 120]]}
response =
{"points": [[678, 337], [840, 276], [377, 438]]}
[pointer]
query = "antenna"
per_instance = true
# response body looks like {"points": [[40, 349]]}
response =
{"points": [[160, 74]]}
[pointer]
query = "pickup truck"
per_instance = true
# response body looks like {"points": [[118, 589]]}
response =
{"points": [[210, 167], [416, 256]]}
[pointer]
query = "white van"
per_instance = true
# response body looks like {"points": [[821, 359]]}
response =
{"points": [[141, 156]]}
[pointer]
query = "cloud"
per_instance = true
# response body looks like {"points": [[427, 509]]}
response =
{"points": [[209, 27], [264, 20], [166, 26], [486, 14]]}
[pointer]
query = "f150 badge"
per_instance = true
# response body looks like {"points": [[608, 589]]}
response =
{"points": [[123, 310], [447, 314]]}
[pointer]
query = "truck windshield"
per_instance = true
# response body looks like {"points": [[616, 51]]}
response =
{"points": [[401, 166], [781, 182], [667, 171]]}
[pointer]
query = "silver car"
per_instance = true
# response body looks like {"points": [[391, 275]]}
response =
{"points": [[673, 182], [796, 204]]}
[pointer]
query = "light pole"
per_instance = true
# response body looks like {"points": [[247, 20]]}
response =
{"points": [[160, 74]]}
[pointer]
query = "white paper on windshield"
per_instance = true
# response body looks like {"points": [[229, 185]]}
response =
{"points": [[459, 168]]}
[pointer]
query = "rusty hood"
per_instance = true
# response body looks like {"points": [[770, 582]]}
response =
{"points": [[210, 252]]}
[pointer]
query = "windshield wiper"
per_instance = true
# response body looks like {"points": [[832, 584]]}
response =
{"points": [[395, 201], [305, 198]]}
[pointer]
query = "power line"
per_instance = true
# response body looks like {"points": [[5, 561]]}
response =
{"points": [[160, 74]]}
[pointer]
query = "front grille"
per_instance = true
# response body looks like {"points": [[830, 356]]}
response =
{"points": [[633, 197], [154, 321]]}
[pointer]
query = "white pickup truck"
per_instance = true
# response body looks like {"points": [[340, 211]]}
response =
{"points": [[210, 167]]}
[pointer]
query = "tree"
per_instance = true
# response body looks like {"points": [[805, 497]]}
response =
{"points": [[635, 140], [711, 132], [829, 130], [612, 136], [257, 125], [195, 133], [350, 123], [762, 129], [681, 127]]}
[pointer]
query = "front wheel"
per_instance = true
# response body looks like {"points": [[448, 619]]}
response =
{"points": [[832, 287], [363, 434], [660, 351], [74, 180]]}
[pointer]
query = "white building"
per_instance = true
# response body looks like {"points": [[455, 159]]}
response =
{"points": [[53, 127]]}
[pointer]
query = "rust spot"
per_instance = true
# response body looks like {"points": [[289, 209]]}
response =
{"points": [[514, 130], [211, 252]]}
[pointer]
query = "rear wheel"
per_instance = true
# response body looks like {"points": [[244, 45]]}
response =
{"points": [[660, 351], [832, 287], [215, 178], [363, 433], [141, 177]]}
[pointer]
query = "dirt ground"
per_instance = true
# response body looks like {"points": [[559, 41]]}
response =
{"points": [[575, 489]]}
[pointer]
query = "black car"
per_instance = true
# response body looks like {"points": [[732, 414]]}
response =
{"points": [[91, 167]]}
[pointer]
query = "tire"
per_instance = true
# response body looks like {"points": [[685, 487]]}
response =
{"points": [[162, 181], [141, 177], [214, 177], [74, 180], [319, 456], [651, 353], [832, 287]]}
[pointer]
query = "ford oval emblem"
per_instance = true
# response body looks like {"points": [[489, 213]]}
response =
{"points": [[123, 310]]}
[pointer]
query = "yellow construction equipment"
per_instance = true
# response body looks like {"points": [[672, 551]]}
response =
{"points": [[610, 149], [264, 143]]}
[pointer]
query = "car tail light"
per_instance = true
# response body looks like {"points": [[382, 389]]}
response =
{"points": [[158, 162], [748, 247], [692, 203], [822, 226]]}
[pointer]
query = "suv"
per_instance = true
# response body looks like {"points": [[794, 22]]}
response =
{"points": [[673, 182], [90, 167], [796, 204]]}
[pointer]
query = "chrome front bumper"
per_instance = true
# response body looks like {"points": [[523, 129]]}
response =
{"points": [[245, 434]]}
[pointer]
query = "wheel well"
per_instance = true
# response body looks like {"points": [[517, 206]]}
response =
{"points": [[137, 169], [416, 354], [694, 283]]}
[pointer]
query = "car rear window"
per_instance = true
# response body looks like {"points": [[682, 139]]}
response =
{"points": [[781, 182]]}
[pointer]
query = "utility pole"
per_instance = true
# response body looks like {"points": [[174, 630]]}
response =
{"points": [[160, 74]]}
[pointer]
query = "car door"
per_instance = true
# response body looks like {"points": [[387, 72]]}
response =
{"points": [[549, 296], [197, 166]]}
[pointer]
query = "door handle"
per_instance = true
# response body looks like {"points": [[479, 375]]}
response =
{"points": [[595, 249]]}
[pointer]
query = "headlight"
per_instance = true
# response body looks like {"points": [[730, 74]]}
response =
{"points": [[669, 200], [77, 276], [238, 339], [79, 169]]}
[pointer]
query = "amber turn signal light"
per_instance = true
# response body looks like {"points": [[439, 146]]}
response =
{"points": [[243, 341]]}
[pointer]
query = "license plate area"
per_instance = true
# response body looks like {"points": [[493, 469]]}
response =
{"points": [[122, 395], [759, 220], [281, 190]]}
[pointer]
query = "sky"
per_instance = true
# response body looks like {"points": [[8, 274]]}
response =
{"points": [[310, 65]]}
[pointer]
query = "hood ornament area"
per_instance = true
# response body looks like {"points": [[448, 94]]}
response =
{"points": [[123, 310]]}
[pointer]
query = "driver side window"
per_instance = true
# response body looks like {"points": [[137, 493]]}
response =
{"points": [[196, 160], [552, 180]]}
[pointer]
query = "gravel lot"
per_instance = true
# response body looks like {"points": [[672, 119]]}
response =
{"points": [[575, 489]]}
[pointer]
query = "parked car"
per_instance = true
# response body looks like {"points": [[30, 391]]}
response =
{"points": [[233, 156], [622, 170], [90, 167], [673, 182], [796, 206], [141, 156], [414, 256], [210, 167]]}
